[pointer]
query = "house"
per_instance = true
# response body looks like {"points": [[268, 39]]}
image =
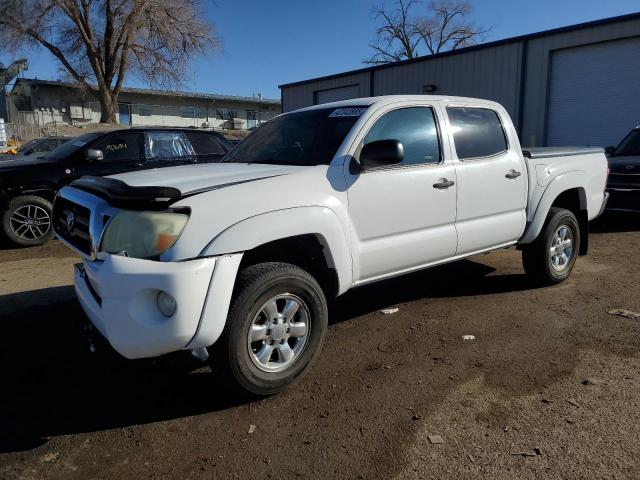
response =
{"points": [[50, 102]]}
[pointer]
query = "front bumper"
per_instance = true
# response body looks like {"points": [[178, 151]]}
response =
{"points": [[119, 295], [624, 199]]}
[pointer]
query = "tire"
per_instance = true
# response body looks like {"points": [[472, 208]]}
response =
{"points": [[279, 353], [546, 260], [27, 221]]}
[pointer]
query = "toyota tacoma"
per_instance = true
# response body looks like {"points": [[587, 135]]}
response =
{"points": [[237, 259]]}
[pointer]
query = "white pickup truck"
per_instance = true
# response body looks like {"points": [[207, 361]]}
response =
{"points": [[238, 258]]}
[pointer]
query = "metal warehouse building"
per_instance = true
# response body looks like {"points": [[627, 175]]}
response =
{"points": [[577, 85]]}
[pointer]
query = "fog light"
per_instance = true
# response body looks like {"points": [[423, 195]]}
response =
{"points": [[166, 304]]}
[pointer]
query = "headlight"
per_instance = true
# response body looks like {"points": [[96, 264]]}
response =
{"points": [[143, 234]]}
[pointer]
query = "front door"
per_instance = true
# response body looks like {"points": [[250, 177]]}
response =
{"points": [[403, 218], [124, 113], [122, 152], [492, 179]]}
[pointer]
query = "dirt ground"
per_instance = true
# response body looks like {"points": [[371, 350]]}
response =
{"points": [[549, 388]]}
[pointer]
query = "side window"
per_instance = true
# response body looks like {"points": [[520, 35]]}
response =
{"points": [[205, 143], [166, 145], [50, 145], [120, 147], [415, 128], [477, 132]]}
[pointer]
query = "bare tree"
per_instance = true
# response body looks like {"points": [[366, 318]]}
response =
{"points": [[445, 27], [98, 42], [396, 38]]}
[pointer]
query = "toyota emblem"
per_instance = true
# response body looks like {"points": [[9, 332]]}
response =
{"points": [[71, 221]]}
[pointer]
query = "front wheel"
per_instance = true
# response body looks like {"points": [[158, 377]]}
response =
{"points": [[549, 260], [27, 221], [275, 328]]}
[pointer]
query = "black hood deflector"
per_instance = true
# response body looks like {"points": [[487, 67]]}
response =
{"points": [[122, 195]]}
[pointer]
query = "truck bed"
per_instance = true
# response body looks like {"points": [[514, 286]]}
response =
{"points": [[550, 152]]}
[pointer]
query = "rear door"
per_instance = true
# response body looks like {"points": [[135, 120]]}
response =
{"points": [[492, 178], [168, 148], [207, 146], [122, 152]]}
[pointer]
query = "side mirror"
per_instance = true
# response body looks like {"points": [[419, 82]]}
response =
{"points": [[94, 155], [381, 153], [610, 150]]}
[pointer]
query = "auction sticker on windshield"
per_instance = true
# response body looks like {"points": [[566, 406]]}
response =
{"points": [[348, 112]]}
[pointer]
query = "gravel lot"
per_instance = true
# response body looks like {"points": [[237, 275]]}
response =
{"points": [[549, 388]]}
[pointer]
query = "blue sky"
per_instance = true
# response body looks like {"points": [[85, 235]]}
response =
{"points": [[267, 43]]}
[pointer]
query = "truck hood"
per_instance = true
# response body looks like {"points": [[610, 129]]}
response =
{"points": [[18, 162], [191, 179]]}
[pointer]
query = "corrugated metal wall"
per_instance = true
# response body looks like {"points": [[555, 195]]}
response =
{"points": [[491, 73], [494, 72], [304, 95], [539, 50]]}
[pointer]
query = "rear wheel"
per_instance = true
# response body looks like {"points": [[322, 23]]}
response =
{"points": [[550, 258], [27, 221], [275, 328]]}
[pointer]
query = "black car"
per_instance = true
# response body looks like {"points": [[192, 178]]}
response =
{"points": [[37, 147], [624, 173], [27, 187]]}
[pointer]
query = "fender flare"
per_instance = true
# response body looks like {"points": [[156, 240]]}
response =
{"points": [[37, 190], [280, 224], [562, 183]]}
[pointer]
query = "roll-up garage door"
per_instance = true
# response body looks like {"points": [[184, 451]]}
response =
{"points": [[337, 94], [594, 96]]}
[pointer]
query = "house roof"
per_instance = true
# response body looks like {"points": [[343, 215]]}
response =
{"points": [[595, 23], [148, 91]]}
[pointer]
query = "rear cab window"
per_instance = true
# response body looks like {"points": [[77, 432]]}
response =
{"points": [[477, 132], [167, 145]]}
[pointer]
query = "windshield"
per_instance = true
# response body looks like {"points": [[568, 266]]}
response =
{"points": [[301, 138], [630, 146], [71, 146], [28, 145]]}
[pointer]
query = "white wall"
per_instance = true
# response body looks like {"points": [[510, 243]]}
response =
{"points": [[65, 105]]}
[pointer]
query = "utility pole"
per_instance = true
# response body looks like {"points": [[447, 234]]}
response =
{"points": [[6, 75]]}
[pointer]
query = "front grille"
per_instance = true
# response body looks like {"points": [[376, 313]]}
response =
{"points": [[71, 222]]}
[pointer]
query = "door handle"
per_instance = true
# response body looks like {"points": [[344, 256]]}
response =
{"points": [[444, 184], [512, 174]]}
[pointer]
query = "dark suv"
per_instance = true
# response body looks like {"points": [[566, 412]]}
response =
{"points": [[624, 174], [27, 187]]}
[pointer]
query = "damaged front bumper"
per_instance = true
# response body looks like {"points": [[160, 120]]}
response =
{"points": [[120, 297]]}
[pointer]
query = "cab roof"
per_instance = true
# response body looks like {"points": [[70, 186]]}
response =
{"points": [[386, 99]]}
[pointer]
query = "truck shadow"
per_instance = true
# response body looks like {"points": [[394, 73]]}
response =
{"points": [[53, 385], [438, 282]]}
